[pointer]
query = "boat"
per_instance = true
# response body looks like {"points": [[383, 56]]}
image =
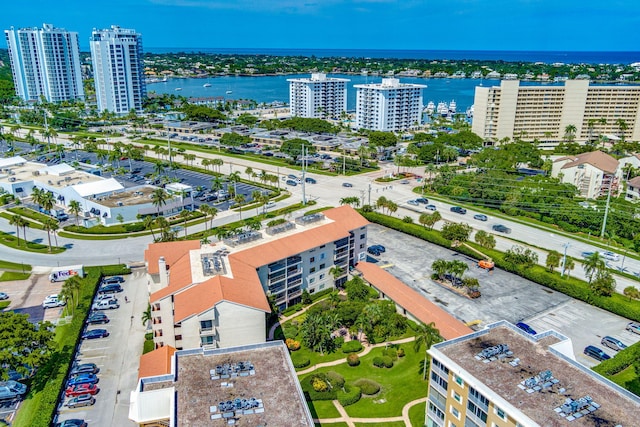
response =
{"points": [[164, 80], [178, 88], [452, 107], [229, 92], [206, 85], [431, 107], [470, 112], [443, 108]]}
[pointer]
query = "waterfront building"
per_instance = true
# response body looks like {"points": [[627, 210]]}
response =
{"points": [[594, 174], [215, 296], [502, 376], [544, 113], [253, 385], [45, 62], [118, 70], [317, 97], [388, 106]]}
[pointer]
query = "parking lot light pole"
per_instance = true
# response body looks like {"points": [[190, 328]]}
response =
{"points": [[564, 258]]}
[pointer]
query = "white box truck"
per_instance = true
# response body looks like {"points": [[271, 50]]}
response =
{"points": [[61, 274]]}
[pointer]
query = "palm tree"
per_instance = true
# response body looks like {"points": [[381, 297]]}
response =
{"points": [[205, 163], [249, 171], [336, 271], [158, 168], [239, 199], [216, 183], [48, 225], [428, 335], [569, 265], [159, 198], [75, 208], [185, 215], [148, 224], [234, 177], [17, 221], [263, 176], [440, 267], [256, 196], [146, 315], [570, 132], [593, 265]]}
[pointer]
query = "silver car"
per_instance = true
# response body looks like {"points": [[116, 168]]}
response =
{"points": [[613, 343]]}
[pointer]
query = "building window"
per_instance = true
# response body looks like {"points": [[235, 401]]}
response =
{"points": [[455, 412], [458, 380], [362, 236], [457, 397], [322, 256], [208, 340], [178, 337], [312, 270], [313, 259], [322, 266], [322, 276], [206, 325], [500, 413]]}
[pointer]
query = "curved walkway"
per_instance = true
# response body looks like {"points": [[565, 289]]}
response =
{"points": [[345, 418]]}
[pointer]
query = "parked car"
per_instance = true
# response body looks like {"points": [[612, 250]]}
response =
{"points": [[105, 297], [112, 279], [292, 176], [310, 180], [109, 304], [291, 182], [11, 389], [480, 217], [97, 318], [95, 333], [80, 401], [82, 379], [596, 353], [3, 296], [84, 368], [74, 422], [380, 248], [431, 207], [633, 327], [79, 389], [422, 200], [458, 209], [613, 343], [501, 228], [528, 329], [374, 251], [110, 289], [610, 256], [413, 202], [347, 184], [53, 301]]}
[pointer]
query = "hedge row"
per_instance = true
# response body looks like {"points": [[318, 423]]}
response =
{"points": [[367, 386], [352, 346], [299, 360], [570, 286], [620, 362], [349, 395]]}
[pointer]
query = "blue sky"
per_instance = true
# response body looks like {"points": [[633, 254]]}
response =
{"points": [[547, 25]]}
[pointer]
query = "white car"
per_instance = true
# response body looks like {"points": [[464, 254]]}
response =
{"points": [[610, 256], [53, 301]]}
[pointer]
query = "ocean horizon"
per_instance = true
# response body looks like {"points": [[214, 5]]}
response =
{"points": [[566, 57]]}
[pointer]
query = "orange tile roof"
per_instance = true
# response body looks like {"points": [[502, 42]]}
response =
{"points": [[410, 300], [171, 251], [597, 159], [348, 218], [156, 362], [179, 276]]}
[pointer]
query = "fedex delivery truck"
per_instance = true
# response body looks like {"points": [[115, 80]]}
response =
{"points": [[61, 274]]}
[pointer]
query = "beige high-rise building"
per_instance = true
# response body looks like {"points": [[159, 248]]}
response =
{"points": [[545, 112]]}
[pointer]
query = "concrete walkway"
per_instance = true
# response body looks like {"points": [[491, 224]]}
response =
{"points": [[345, 418]]}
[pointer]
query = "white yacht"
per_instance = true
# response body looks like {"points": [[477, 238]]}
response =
{"points": [[443, 108], [431, 107], [178, 88], [206, 85], [453, 106]]}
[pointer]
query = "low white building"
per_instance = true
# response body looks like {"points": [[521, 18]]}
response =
{"points": [[633, 189], [594, 173]]}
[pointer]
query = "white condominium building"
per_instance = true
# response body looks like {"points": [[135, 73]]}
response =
{"points": [[45, 63], [318, 97], [545, 112], [118, 69], [388, 106]]}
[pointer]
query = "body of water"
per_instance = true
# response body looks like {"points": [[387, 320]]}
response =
{"points": [[550, 57], [276, 88]]}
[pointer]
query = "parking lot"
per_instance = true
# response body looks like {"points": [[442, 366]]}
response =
{"points": [[504, 295], [116, 356]]}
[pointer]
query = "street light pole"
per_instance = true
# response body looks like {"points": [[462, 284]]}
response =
{"points": [[564, 258], [606, 210]]}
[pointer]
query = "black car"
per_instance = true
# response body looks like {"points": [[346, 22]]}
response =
{"points": [[373, 251], [422, 200], [95, 334], [72, 423], [110, 289], [112, 279], [501, 228], [347, 184], [96, 318], [310, 180], [458, 209], [291, 182]]}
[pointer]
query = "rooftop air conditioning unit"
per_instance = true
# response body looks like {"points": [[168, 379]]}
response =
{"points": [[119, 203]]}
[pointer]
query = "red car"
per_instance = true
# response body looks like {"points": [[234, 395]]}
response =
{"points": [[79, 389]]}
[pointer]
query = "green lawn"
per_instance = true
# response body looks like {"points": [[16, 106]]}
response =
{"points": [[325, 407], [8, 265], [4, 304], [333, 425], [12, 241], [628, 379], [13, 275], [400, 384], [383, 424], [32, 224], [416, 415], [30, 213]]}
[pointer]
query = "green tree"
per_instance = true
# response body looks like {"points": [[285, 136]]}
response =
{"points": [[593, 265], [521, 256], [427, 335], [382, 139], [429, 220], [351, 201], [148, 222], [485, 239], [17, 220], [440, 267], [185, 215], [75, 208], [293, 147], [49, 223], [24, 344], [631, 292], [159, 199], [604, 284], [553, 260], [240, 199], [357, 289], [456, 231], [146, 315]]}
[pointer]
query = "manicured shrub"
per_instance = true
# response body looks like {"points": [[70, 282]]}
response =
{"points": [[292, 344], [353, 359], [621, 361], [335, 379], [290, 331], [353, 346], [349, 395], [401, 352], [367, 386], [391, 353], [378, 362], [338, 342], [387, 361], [300, 360], [330, 393], [319, 385]]}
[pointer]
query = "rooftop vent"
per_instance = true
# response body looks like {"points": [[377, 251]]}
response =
{"points": [[280, 228], [309, 219], [242, 238], [496, 352]]}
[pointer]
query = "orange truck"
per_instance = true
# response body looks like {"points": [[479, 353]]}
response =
{"points": [[487, 264]]}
